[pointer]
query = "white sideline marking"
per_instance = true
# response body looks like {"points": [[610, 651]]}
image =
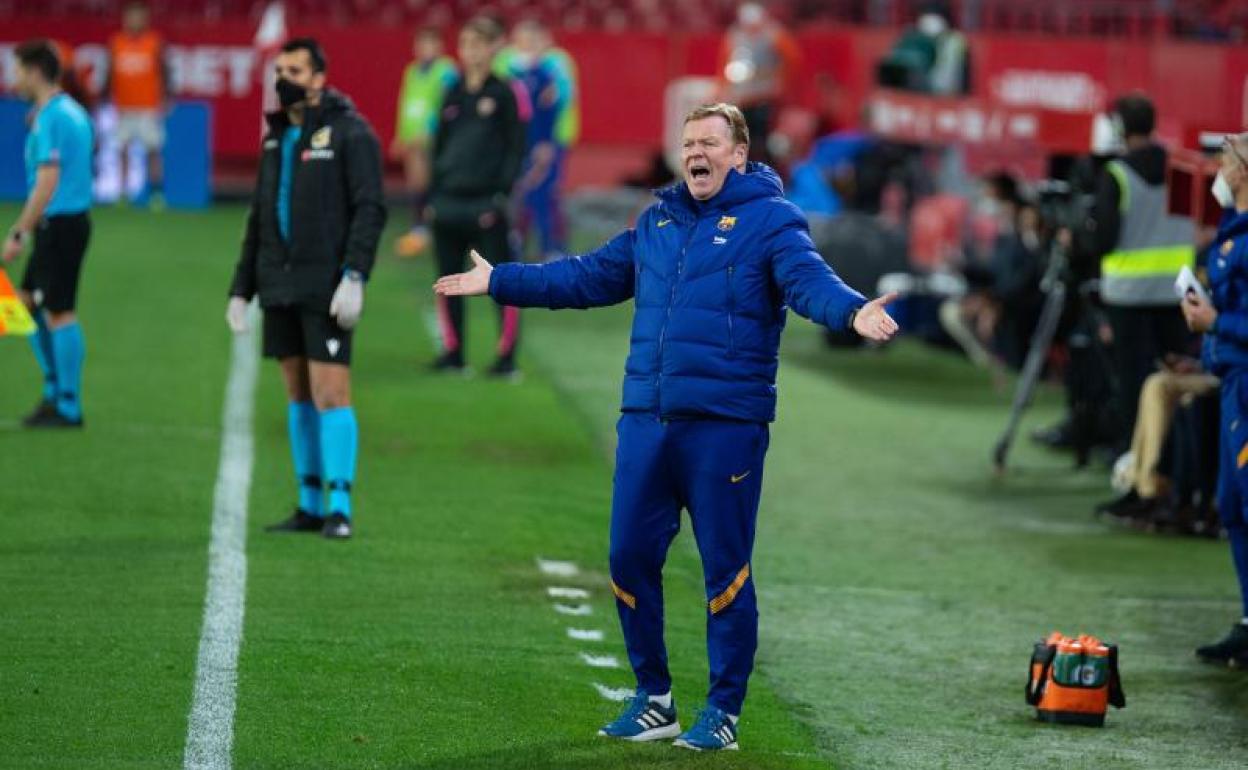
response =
{"points": [[614, 693], [210, 726], [576, 609], [600, 661], [561, 592], [557, 568], [585, 634]]}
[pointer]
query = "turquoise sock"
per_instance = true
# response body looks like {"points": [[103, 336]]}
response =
{"points": [[304, 425], [68, 348], [41, 344], [339, 444]]}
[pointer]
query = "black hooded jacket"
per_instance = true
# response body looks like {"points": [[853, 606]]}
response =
{"points": [[477, 152], [337, 210], [1106, 220]]}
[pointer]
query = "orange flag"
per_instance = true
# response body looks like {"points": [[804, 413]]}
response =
{"points": [[13, 316]]}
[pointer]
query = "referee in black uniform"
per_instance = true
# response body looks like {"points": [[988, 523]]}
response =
{"points": [[477, 152]]}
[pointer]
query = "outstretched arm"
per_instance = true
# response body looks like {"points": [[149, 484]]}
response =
{"points": [[473, 283], [814, 290], [602, 277]]}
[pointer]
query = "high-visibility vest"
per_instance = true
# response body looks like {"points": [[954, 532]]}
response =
{"points": [[1153, 245], [420, 98], [568, 124], [137, 75]]}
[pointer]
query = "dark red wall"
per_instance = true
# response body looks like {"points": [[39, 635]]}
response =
{"points": [[623, 75]]}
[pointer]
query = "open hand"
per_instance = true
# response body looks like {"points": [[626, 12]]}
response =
{"points": [[470, 284], [874, 322]]}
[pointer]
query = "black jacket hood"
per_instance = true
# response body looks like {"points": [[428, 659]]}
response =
{"points": [[1149, 162], [333, 103]]}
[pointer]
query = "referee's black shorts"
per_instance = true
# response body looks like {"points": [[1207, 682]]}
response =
{"points": [[291, 331], [52, 272]]}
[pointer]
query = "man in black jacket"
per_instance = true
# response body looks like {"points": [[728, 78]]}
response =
{"points": [[311, 237], [477, 153]]}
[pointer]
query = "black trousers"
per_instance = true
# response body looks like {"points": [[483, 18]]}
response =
{"points": [[1142, 338], [452, 240]]}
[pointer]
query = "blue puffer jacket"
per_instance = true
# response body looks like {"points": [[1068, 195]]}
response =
{"points": [[711, 281], [1225, 351]]}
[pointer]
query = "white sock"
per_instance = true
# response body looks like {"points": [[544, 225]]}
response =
{"points": [[664, 700], [1244, 621], [733, 718]]}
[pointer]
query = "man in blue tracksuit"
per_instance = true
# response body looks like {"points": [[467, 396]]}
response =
{"points": [[1225, 353], [711, 268]]}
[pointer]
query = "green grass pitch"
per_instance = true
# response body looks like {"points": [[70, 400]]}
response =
{"points": [[900, 585]]}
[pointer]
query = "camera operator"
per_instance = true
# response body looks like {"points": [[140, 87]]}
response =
{"points": [[1141, 250]]}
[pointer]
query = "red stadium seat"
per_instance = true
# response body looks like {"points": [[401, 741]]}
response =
{"points": [[1225, 19]]}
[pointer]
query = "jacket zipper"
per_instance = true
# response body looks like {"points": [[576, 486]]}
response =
{"points": [[680, 266], [732, 309], [287, 254]]}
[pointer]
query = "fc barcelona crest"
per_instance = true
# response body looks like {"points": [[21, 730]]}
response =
{"points": [[1226, 247], [727, 223]]}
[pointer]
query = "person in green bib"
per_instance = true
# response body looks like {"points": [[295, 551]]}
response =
{"points": [[426, 79]]}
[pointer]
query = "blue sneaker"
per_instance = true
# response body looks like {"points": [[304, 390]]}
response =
{"points": [[714, 731], [643, 720]]}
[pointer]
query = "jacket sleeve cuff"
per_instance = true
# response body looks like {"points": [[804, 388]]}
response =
{"points": [[840, 314], [499, 283], [847, 319], [240, 289]]}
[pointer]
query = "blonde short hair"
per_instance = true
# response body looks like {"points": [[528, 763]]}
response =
{"points": [[729, 112]]}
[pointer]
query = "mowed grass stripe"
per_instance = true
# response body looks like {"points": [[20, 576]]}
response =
{"points": [[902, 586], [103, 559], [429, 640]]}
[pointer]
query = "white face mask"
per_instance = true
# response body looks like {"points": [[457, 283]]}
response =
{"points": [[1106, 140], [1222, 192], [750, 15], [931, 24]]}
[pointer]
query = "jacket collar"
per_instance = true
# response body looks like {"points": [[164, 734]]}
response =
{"points": [[1233, 224], [758, 181]]}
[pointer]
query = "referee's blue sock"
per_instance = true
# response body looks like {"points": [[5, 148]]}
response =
{"points": [[339, 444], [304, 425], [41, 343], [68, 350]]}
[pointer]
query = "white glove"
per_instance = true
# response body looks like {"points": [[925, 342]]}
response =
{"points": [[348, 301], [236, 315]]}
